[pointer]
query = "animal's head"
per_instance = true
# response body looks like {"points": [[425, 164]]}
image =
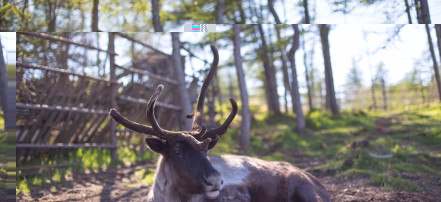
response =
{"points": [[185, 152]]}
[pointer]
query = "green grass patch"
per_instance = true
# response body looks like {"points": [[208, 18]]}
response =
{"points": [[394, 183]]}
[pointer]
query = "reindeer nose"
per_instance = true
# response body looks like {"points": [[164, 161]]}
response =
{"points": [[213, 181]]}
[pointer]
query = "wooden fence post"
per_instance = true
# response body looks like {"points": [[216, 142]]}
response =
{"points": [[113, 93]]}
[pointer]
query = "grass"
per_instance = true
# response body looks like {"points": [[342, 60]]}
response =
{"points": [[82, 161], [413, 141], [7, 152]]}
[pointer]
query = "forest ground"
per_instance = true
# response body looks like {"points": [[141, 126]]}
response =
{"points": [[7, 163], [359, 156]]}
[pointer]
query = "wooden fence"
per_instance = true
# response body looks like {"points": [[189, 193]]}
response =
{"points": [[61, 104]]}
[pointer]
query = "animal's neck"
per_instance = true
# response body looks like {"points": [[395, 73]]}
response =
{"points": [[164, 187]]}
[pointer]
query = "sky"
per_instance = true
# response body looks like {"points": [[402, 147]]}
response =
{"points": [[8, 43], [290, 12]]}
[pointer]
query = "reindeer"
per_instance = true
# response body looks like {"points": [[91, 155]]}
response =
{"points": [[186, 173]]}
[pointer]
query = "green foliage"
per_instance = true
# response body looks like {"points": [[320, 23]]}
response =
{"points": [[144, 176], [394, 183], [22, 186], [9, 15]]}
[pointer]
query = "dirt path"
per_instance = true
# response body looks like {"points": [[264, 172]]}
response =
{"points": [[116, 184], [110, 185]]}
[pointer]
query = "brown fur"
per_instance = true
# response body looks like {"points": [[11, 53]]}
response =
{"points": [[262, 181]]}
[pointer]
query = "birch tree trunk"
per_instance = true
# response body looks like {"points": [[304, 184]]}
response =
{"points": [[244, 140], [329, 80], [184, 124], [295, 95]]}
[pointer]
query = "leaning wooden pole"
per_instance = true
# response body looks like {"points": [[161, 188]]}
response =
{"points": [[113, 93]]}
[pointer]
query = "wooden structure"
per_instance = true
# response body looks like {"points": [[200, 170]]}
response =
{"points": [[61, 105]]}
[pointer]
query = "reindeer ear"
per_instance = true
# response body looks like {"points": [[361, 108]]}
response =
{"points": [[157, 145]]}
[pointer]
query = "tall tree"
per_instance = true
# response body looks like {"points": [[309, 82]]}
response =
{"points": [[353, 84], [368, 55], [329, 80], [273, 12], [184, 124], [409, 17], [438, 36], [435, 63], [380, 77], [422, 11], [95, 15], [51, 15], [244, 140], [155, 13], [295, 95], [307, 73], [220, 11], [270, 76], [281, 48], [306, 11]]}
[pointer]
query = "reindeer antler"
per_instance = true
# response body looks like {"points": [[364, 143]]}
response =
{"points": [[200, 138], [198, 114], [156, 130]]}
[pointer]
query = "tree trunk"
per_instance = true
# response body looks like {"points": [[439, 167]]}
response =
{"points": [[23, 14], [383, 87], [305, 8], [308, 82], [422, 11], [220, 11], [95, 15], [374, 100], [185, 123], [284, 69], [155, 13], [438, 36], [270, 77], [273, 12], [244, 140], [329, 80], [241, 12], [425, 15], [295, 95], [409, 17], [113, 93], [51, 15], [435, 63]]}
